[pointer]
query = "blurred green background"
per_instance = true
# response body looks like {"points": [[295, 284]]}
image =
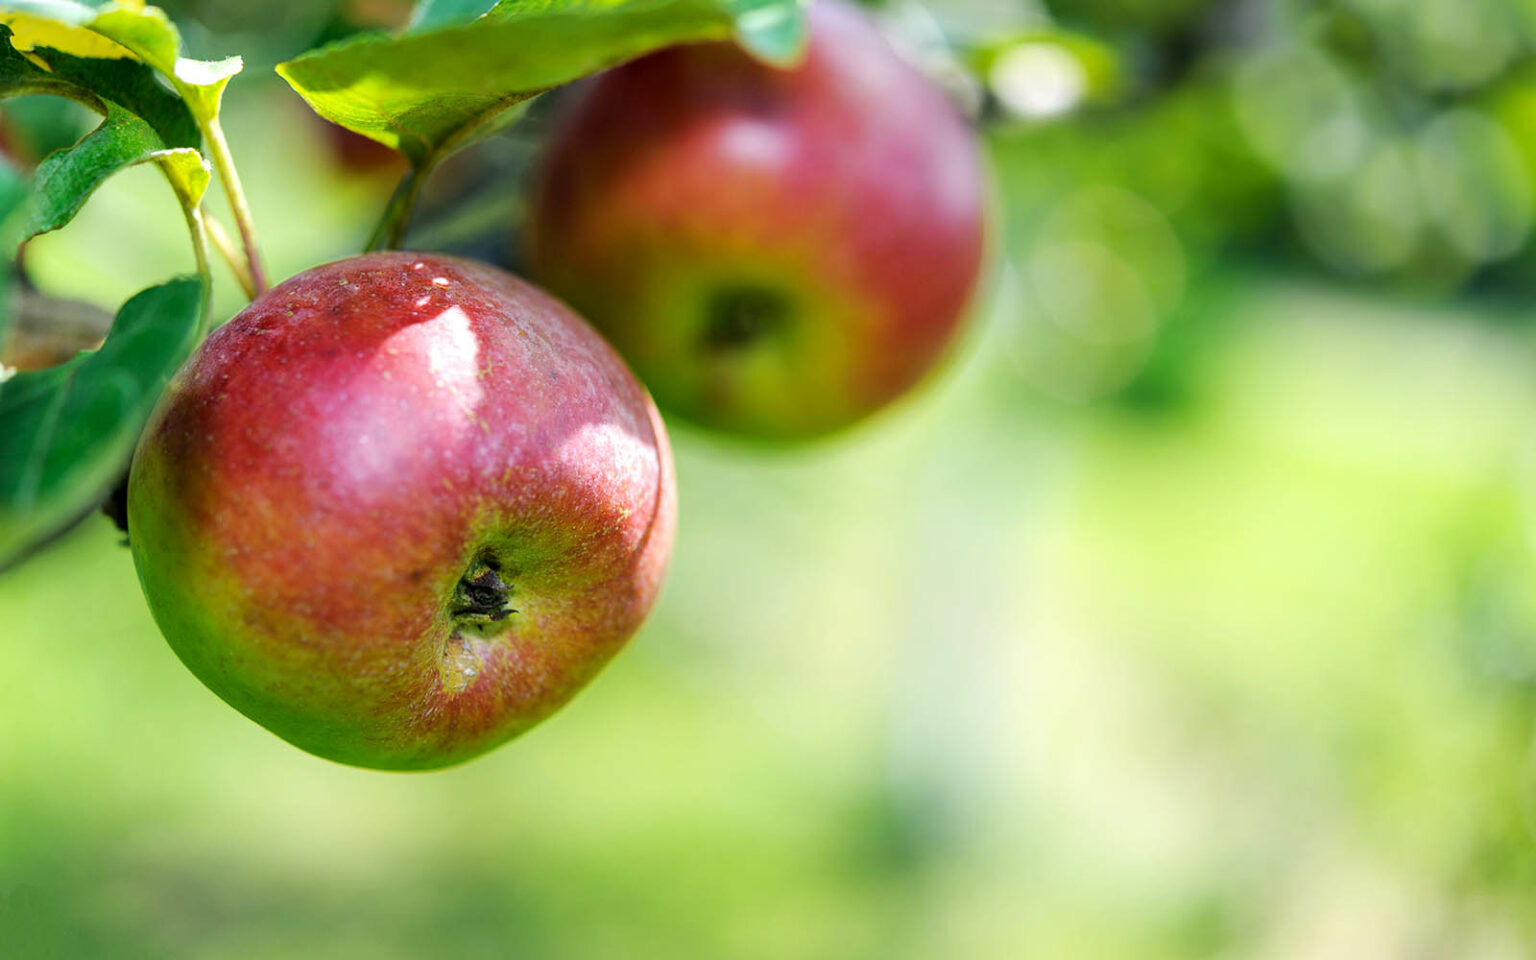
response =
{"points": [[1190, 613]]}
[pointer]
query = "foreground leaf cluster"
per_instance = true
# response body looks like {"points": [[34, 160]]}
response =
{"points": [[67, 432], [459, 70]]}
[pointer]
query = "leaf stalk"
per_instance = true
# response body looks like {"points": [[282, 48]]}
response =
{"points": [[390, 232], [218, 152]]}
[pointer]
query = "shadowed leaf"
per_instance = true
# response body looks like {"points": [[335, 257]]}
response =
{"points": [[69, 431]]}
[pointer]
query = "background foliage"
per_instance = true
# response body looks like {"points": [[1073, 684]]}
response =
{"points": [[1191, 613]]}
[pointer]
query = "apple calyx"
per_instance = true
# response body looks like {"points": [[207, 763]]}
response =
{"points": [[481, 596], [737, 317]]}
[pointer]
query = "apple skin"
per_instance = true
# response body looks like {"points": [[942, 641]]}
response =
{"points": [[355, 154], [777, 252], [332, 466]]}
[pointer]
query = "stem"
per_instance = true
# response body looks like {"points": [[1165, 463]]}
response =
{"points": [[218, 150], [226, 247], [397, 215], [200, 251]]}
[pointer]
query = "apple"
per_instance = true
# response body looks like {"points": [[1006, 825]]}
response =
{"points": [[776, 252], [401, 508], [354, 154]]}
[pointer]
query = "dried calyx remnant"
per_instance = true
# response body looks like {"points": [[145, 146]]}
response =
{"points": [[739, 316], [481, 597]]}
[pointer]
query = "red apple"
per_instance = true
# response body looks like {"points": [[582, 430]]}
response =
{"points": [[401, 508], [777, 252], [356, 155]]}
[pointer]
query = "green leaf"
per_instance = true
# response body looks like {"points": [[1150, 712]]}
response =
{"points": [[13, 193], [142, 122], [13, 188], [428, 91], [136, 30], [69, 431], [66, 432], [91, 81], [129, 29]]}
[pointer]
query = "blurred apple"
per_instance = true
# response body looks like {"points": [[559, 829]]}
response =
{"points": [[778, 252], [356, 154]]}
